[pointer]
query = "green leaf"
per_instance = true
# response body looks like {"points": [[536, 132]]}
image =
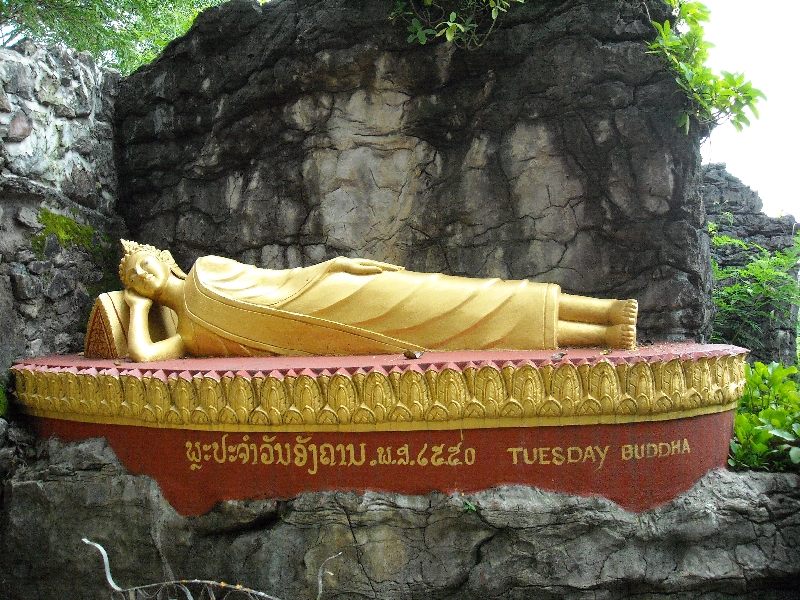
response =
{"points": [[711, 98], [683, 122], [782, 434]]}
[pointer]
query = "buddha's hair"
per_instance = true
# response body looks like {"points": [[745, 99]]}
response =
{"points": [[131, 248]]}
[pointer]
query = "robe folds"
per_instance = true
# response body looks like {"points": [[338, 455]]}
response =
{"points": [[238, 310]]}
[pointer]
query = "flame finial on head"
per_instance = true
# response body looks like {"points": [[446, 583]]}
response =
{"points": [[130, 248]]}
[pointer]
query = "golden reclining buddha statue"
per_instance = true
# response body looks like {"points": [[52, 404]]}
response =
{"points": [[339, 307]]}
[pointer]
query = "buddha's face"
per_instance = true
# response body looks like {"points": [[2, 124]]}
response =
{"points": [[146, 274]]}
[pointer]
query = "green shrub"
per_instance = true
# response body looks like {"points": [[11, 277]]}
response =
{"points": [[711, 98], [751, 296], [466, 23], [767, 426]]}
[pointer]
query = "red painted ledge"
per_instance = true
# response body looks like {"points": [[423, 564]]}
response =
{"points": [[639, 465]]}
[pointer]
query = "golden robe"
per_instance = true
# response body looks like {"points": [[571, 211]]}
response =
{"points": [[236, 309]]}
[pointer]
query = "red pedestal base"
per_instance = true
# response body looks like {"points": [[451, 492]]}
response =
{"points": [[637, 465], [636, 427]]}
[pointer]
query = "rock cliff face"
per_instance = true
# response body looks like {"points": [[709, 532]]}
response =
{"points": [[58, 187], [288, 133], [736, 211], [732, 536]]}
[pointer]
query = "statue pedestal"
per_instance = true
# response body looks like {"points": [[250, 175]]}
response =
{"points": [[636, 427]]}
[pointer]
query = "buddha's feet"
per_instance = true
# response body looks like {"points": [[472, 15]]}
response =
{"points": [[624, 312], [621, 337]]}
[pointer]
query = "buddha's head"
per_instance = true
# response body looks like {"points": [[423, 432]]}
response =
{"points": [[146, 269]]}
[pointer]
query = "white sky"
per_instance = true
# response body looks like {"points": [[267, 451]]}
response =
{"points": [[759, 39]]}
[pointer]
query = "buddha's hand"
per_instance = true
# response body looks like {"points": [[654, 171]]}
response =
{"points": [[360, 266], [137, 301]]}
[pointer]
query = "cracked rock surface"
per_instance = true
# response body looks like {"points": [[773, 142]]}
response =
{"points": [[732, 536], [287, 133], [56, 154]]}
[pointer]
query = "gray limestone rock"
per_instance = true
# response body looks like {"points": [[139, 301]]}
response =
{"points": [[19, 128], [27, 217], [290, 132], [5, 105], [62, 284], [26, 286], [59, 132], [57, 155], [38, 267]]}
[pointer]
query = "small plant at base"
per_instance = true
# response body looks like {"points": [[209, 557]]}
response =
{"points": [[767, 425], [3, 401], [712, 99]]}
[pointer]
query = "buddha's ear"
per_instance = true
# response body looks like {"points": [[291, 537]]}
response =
{"points": [[173, 266]]}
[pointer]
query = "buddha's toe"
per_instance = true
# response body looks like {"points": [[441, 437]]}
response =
{"points": [[622, 337], [624, 312]]}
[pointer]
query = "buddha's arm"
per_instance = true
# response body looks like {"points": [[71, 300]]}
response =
{"points": [[140, 347], [358, 266]]}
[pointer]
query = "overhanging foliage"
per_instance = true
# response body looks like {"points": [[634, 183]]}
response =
{"points": [[122, 34]]}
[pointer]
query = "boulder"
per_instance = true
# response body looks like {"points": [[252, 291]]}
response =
{"points": [[286, 133]]}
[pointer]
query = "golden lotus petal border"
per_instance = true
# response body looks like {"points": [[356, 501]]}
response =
{"points": [[442, 396]]}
